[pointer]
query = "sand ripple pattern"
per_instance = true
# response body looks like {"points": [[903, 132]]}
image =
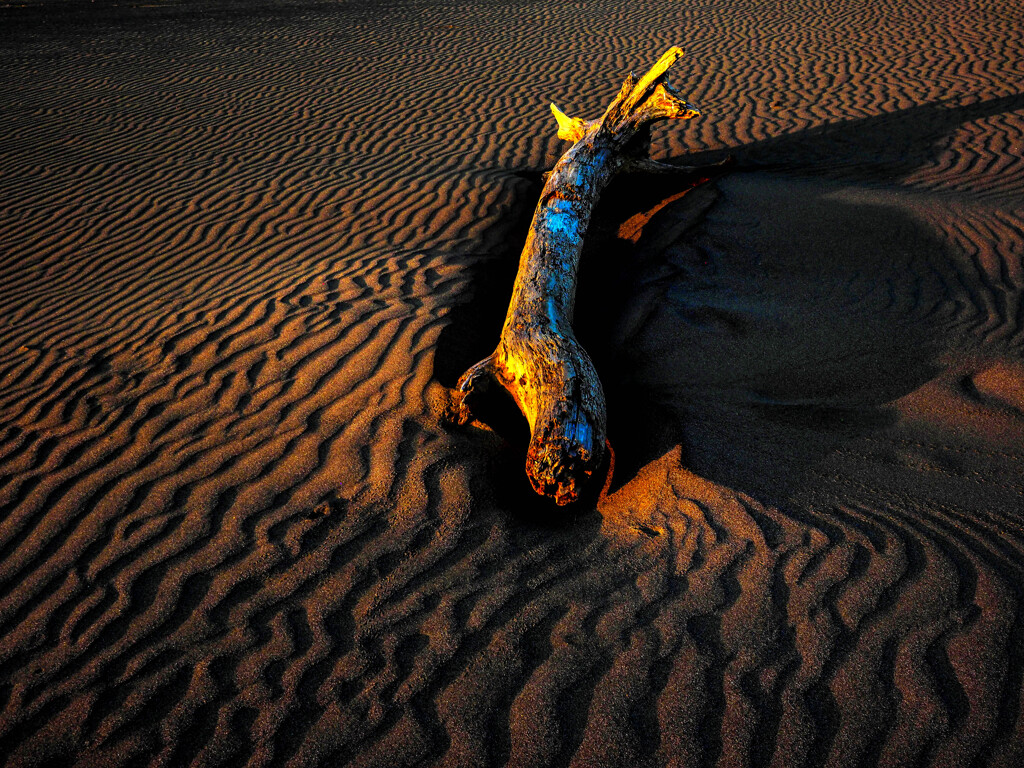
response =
{"points": [[232, 529]]}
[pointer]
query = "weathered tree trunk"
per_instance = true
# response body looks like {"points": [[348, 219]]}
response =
{"points": [[538, 360]]}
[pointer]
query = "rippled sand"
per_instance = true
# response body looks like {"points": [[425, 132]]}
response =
{"points": [[244, 249]]}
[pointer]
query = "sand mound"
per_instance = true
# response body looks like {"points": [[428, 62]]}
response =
{"points": [[245, 246]]}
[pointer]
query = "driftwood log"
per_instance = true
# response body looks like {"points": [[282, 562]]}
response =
{"points": [[538, 360]]}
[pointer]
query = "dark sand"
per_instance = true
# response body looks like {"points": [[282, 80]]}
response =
{"points": [[244, 249]]}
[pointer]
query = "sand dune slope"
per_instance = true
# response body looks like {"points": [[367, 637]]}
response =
{"points": [[244, 248]]}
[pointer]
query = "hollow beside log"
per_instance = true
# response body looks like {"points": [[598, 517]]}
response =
{"points": [[538, 360]]}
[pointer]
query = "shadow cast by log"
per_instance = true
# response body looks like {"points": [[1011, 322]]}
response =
{"points": [[773, 327]]}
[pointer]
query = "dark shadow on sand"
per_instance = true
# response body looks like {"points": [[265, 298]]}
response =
{"points": [[762, 330], [883, 148]]}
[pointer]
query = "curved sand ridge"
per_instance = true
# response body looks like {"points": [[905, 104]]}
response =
{"points": [[240, 247]]}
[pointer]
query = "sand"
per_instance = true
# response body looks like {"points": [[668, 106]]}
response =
{"points": [[246, 247]]}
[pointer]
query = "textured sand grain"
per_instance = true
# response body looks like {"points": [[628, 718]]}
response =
{"points": [[244, 247]]}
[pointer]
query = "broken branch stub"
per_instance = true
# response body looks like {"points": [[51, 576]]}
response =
{"points": [[538, 360]]}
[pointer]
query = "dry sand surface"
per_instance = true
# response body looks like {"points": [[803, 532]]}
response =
{"points": [[245, 247]]}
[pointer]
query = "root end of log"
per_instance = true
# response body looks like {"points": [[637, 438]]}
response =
{"points": [[561, 465]]}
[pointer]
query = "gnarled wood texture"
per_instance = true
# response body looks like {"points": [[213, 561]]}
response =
{"points": [[538, 360]]}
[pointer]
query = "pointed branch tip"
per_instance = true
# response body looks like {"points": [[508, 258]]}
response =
{"points": [[635, 91], [569, 128]]}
